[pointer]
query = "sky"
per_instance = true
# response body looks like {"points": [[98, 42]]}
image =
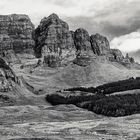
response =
{"points": [[119, 20]]}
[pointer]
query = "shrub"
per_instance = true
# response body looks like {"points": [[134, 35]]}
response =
{"points": [[117, 105], [109, 88]]}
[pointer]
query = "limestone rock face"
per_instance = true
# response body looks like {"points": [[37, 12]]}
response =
{"points": [[16, 33], [100, 44], [54, 40], [116, 55], [82, 41], [83, 47], [7, 77]]}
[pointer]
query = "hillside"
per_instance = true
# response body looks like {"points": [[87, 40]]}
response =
{"points": [[41, 61]]}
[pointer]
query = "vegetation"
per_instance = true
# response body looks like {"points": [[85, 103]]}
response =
{"points": [[118, 105], [56, 99], [83, 89], [115, 106], [99, 102], [109, 88]]}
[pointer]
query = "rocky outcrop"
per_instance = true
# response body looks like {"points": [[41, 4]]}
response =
{"points": [[83, 47], [57, 46], [116, 55], [54, 41], [7, 77], [100, 44], [82, 60], [16, 33], [82, 41]]}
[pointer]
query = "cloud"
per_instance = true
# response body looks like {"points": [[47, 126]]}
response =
{"points": [[63, 3], [127, 43], [108, 17]]}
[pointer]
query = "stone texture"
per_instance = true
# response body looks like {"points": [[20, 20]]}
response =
{"points": [[7, 77], [116, 55], [128, 60], [82, 60], [57, 46], [53, 40], [82, 42], [83, 47], [16, 33], [100, 44]]}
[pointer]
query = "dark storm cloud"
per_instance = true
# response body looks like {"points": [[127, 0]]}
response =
{"points": [[113, 29], [119, 18], [105, 28]]}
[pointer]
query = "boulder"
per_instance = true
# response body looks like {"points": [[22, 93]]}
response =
{"points": [[53, 40]]}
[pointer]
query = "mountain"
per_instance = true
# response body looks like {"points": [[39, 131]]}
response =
{"points": [[39, 61], [61, 58], [16, 32], [56, 45]]}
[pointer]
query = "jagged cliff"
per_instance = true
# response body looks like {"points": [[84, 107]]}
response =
{"points": [[16, 34], [100, 44], [57, 45], [7, 77], [53, 42]]}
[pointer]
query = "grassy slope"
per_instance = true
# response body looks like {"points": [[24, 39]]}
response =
{"points": [[72, 75], [37, 119]]}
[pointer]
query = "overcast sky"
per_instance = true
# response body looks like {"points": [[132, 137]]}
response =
{"points": [[112, 18]]}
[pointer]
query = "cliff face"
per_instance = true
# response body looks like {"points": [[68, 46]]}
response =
{"points": [[56, 45], [82, 40], [83, 47], [100, 44], [53, 41], [16, 33], [7, 77]]}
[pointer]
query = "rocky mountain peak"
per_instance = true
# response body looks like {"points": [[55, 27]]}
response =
{"points": [[52, 20], [16, 33], [54, 41]]}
